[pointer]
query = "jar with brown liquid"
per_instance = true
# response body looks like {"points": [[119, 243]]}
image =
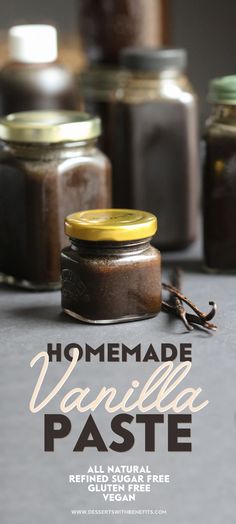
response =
{"points": [[110, 271], [107, 26], [219, 193], [156, 159], [98, 87], [49, 167], [33, 79]]}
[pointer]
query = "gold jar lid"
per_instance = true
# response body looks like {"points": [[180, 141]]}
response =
{"points": [[111, 225], [49, 127]]}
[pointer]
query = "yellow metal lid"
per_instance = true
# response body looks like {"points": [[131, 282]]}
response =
{"points": [[49, 127], [111, 224]]}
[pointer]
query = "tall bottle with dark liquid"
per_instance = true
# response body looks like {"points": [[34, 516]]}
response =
{"points": [[156, 146], [33, 78], [108, 26]]}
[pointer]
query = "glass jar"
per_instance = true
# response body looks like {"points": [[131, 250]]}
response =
{"points": [[220, 178], [110, 272], [107, 26], [156, 163], [32, 78], [97, 87], [49, 167]]}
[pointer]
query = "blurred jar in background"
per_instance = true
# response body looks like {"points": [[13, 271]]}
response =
{"points": [[98, 87], [219, 194], [33, 79], [49, 168], [107, 26], [156, 160]]}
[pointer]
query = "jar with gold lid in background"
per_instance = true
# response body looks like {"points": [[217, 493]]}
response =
{"points": [[49, 167]]}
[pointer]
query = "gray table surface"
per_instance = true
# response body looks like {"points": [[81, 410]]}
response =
{"points": [[34, 484]]}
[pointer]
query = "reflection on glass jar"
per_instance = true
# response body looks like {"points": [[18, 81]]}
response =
{"points": [[49, 167], [110, 272], [220, 178]]}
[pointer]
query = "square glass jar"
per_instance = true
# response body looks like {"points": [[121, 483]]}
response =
{"points": [[49, 167], [110, 272]]}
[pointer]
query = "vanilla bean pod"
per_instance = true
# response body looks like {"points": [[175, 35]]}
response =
{"points": [[191, 319], [175, 305], [195, 319], [177, 302], [177, 293]]}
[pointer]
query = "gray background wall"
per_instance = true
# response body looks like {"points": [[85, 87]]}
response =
{"points": [[59, 12], [205, 27]]}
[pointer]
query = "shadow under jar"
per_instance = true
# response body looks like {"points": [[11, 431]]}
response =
{"points": [[219, 194], [49, 167], [110, 272]]}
